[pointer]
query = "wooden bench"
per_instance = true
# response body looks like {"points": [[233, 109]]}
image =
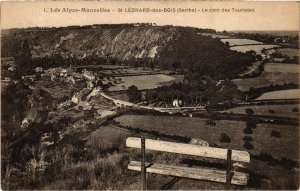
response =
{"points": [[228, 176]]}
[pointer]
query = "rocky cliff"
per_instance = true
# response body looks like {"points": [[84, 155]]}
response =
{"points": [[166, 47]]}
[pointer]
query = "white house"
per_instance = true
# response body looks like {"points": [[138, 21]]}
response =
{"points": [[177, 103]]}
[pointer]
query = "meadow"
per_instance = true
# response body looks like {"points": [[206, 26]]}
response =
{"points": [[274, 110], [197, 128], [282, 94], [256, 48], [141, 82], [213, 35], [274, 73], [237, 41], [291, 52]]}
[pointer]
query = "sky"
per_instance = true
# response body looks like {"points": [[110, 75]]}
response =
{"points": [[266, 15]]}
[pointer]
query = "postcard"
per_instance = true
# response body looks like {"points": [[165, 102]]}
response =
{"points": [[150, 95]]}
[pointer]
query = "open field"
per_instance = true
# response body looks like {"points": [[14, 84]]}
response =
{"points": [[284, 68], [214, 35], [237, 42], [282, 94], [141, 82], [256, 48], [291, 52], [133, 71], [274, 73], [285, 146], [274, 110]]}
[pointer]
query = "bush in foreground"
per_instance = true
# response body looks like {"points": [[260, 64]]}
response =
{"points": [[248, 130], [247, 138], [225, 138], [249, 111], [275, 134], [248, 146], [251, 125]]}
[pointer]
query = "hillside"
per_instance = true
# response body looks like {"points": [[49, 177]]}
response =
{"points": [[165, 47]]}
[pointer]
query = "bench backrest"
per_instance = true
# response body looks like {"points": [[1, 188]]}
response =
{"points": [[188, 149]]}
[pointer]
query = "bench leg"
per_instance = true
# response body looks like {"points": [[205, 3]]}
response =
{"points": [[143, 166], [228, 169]]}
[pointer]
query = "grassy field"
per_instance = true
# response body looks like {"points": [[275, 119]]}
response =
{"points": [[284, 68], [274, 73], [132, 71], [214, 35], [197, 128], [236, 41], [256, 48], [291, 52], [282, 94], [141, 82], [274, 110]]}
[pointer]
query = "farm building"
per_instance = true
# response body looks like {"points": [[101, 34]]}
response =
{"points": [[177, 103]]}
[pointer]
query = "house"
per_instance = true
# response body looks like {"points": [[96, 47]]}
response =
{"points": [[71, 79], [65, 72], [278, 59], [39, 69], [11, 68], [88, 75], [177, 103], [84, 105], [104, 113], [81, 95]]}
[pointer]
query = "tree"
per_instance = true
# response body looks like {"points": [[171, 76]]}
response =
{"points": [[227, 44], [134, 94]]}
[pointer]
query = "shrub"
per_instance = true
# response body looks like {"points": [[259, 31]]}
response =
{"points": [[295, 110], [210, 122], [271, 111], [251, 125], [248, 130], [247, 138], [249, 111], [287, 163], [225, 138], [248, 146], [275, 134]]}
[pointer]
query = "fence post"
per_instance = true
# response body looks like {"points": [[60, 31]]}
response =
{"points": [[228, 169], [144, 179]]}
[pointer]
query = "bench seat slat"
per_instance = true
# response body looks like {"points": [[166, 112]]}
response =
{"points": [[188, 149], [194, 173]]}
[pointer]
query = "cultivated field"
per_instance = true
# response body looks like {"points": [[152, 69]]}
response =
{"points": [[274, 73], [132, 71], [282, 94], [291, 52], [283, 68], [274, 110], [141, 82], [197, 128], [214, 35], [237, 42], [256, 48]]}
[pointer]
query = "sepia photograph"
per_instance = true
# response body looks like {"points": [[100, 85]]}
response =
{"points": [[150, 95]]}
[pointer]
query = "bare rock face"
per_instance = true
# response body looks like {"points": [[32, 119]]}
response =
{"points": [[121, 43]]}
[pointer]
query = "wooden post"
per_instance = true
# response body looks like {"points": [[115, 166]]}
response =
{"points": [[228, 169], [143, 170]]}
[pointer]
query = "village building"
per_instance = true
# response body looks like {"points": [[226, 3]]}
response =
{"points": [[278, 59], [177, 103], [80, 96], [65, 72], [39, 69]]}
